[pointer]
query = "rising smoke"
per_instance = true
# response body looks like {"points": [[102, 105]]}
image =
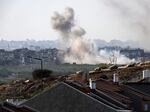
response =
{"points": [[77, 48]]}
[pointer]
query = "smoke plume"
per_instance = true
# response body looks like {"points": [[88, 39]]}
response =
{"points": [[71, 36], [77, 48]]}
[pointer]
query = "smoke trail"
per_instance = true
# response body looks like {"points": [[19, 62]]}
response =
{"points": [[77, 48]]}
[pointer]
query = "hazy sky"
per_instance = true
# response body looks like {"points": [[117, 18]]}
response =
{"points": [[104, 19]]}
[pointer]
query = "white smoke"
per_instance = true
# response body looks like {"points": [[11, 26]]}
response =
{"points": [[115, 56], [77, 48]]}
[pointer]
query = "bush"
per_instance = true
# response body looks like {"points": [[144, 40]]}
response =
{"points": [[104, 77], [4, 72], [39, 74], [103, 66]]}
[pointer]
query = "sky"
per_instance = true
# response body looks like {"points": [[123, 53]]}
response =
{"points": [[103, 19]]}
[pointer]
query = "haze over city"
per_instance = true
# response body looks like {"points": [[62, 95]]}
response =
{"points": [[103, 19], [74, 56]]}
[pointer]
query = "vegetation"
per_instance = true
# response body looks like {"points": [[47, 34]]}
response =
{"points": [[4, 72], [21, 72], [103, 66], [39, 73]]}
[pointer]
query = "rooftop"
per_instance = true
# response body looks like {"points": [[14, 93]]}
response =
{"points": [[7, 107], [74, 96]]}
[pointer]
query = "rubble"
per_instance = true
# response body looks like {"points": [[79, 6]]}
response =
{"points": [[97, 69], [24, 88], [79, 72], [28, 88], [113, 67], [126, 72], [27, 81]]}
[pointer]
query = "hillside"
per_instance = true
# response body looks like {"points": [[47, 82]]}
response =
{"points": [[24, 89]]}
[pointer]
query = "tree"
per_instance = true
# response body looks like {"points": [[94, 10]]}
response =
{"points": [[39, 73]]}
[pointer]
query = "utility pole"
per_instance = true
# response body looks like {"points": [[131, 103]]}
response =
{"points": [[37, 59]]}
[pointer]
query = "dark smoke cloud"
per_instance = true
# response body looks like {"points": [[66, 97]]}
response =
{"points": [[63, 22], [71, 36]]}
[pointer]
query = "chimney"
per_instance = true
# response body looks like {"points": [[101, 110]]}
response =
{"points": [[85, 76], [92, 84], [146, 73], [115, 78]]}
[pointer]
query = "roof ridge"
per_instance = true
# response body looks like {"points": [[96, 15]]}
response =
{"points": [[138, 91]]}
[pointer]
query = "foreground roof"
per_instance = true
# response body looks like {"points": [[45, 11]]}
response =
{"points": [[65, 97], [141, 86], [7, 107]]}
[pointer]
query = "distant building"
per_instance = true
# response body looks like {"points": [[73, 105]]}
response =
{"points": [[20, 56], [147, 56], [133, 53]]}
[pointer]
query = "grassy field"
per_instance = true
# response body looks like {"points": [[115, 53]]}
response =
{"points": [[25, 71]]}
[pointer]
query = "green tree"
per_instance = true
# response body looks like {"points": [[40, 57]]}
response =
{"points": [[39, 74]]}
